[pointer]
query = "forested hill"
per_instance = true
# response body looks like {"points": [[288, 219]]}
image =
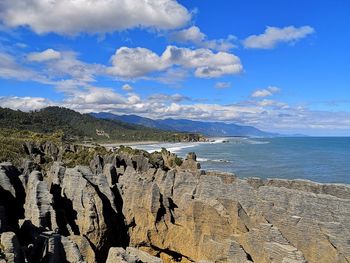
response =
{"points": [[78, 126]]}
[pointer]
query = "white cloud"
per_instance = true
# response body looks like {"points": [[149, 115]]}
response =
{"points": [[69, 17], [140, 62], [274, 36], [261, 93], [24, 103], [134, 99], [94, 95], [164, 97], [194, 35], [274, 89], [265, 114], [135, 62], [11, 69], [265, 92], [127, 87], [53, 68], [222, 85], [67, 66], [172, 76], [48, 54], [273, 103], [70, 65], [21, 45]]}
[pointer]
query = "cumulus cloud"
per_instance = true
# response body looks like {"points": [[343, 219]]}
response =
{"points": [[25, 103], [273, 103], [165, 97], [139, 62], [222, 85], [11, 69], [274, 36], [135, 62], [70, 65], [195, 36], [172, 76], [127, 87], [65, 67], [265, 114], [94, 95], [265, 92], [48, 54], [69, 17], [52, 68], [261, 93]]}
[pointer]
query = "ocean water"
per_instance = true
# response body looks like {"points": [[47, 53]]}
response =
{"points": [[320, 159]]}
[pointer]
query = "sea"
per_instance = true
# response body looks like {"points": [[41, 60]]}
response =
{"points": [[319, 159]]}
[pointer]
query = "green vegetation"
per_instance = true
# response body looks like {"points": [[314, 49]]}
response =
{"points": [[12, 147], [81, 127], [131, 151], [44, 148], [83, 156], [12, 141]]}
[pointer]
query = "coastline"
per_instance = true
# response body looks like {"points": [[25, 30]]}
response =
{"points": [[130, 143], [170, 209]]}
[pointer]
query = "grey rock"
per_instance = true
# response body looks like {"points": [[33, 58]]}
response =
{"points": [[190, 163], [12, 196], [92, 204], [11, 248], [97, 164], [215, 217], [130, 255], [38, 205], [111, 173]]}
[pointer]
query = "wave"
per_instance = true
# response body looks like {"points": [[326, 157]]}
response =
{"points": [[247, 141], [178, 148], [172, 147], [213, 160], [219, 140]]}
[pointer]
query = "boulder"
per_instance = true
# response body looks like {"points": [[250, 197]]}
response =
{"points": [[190, 163]]}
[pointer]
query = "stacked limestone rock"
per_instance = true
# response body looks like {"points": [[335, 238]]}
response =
{"points": [[136, 207]]}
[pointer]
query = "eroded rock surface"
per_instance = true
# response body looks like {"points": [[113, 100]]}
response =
{"points": [[226, 219], [130, 255], [127, 207]]}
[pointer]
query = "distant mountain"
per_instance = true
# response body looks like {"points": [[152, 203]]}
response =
{"points": [[82, 126], [134, 119], [182, 125]]}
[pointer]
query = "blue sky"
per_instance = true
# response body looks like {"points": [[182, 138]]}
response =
{"points": [[278, 65]]}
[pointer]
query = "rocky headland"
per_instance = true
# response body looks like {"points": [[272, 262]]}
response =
{"points": [[132, 206]]}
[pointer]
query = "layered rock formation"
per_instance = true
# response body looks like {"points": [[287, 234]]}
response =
{"points": [[131, 206]]}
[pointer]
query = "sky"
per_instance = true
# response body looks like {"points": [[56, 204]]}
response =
{"points": [[281, 66]]}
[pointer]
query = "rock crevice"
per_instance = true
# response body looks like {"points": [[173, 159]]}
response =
{"points": [[127, 207]]}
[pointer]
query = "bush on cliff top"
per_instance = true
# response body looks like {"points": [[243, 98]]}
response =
{"points": [[12, 141]]}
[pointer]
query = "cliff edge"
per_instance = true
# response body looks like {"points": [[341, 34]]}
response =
{"points": [[131, 206]]}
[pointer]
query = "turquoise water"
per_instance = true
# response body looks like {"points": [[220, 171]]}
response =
{"points": [[318, 159]]}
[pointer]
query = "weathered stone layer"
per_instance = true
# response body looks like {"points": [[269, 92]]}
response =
{"points": [[157, 208]]}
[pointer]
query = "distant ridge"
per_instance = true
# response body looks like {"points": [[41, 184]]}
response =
{"points": [[79, 126], [183, 125]]}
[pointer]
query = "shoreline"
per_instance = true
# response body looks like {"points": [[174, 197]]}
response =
{"points": [[130, 143]]}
